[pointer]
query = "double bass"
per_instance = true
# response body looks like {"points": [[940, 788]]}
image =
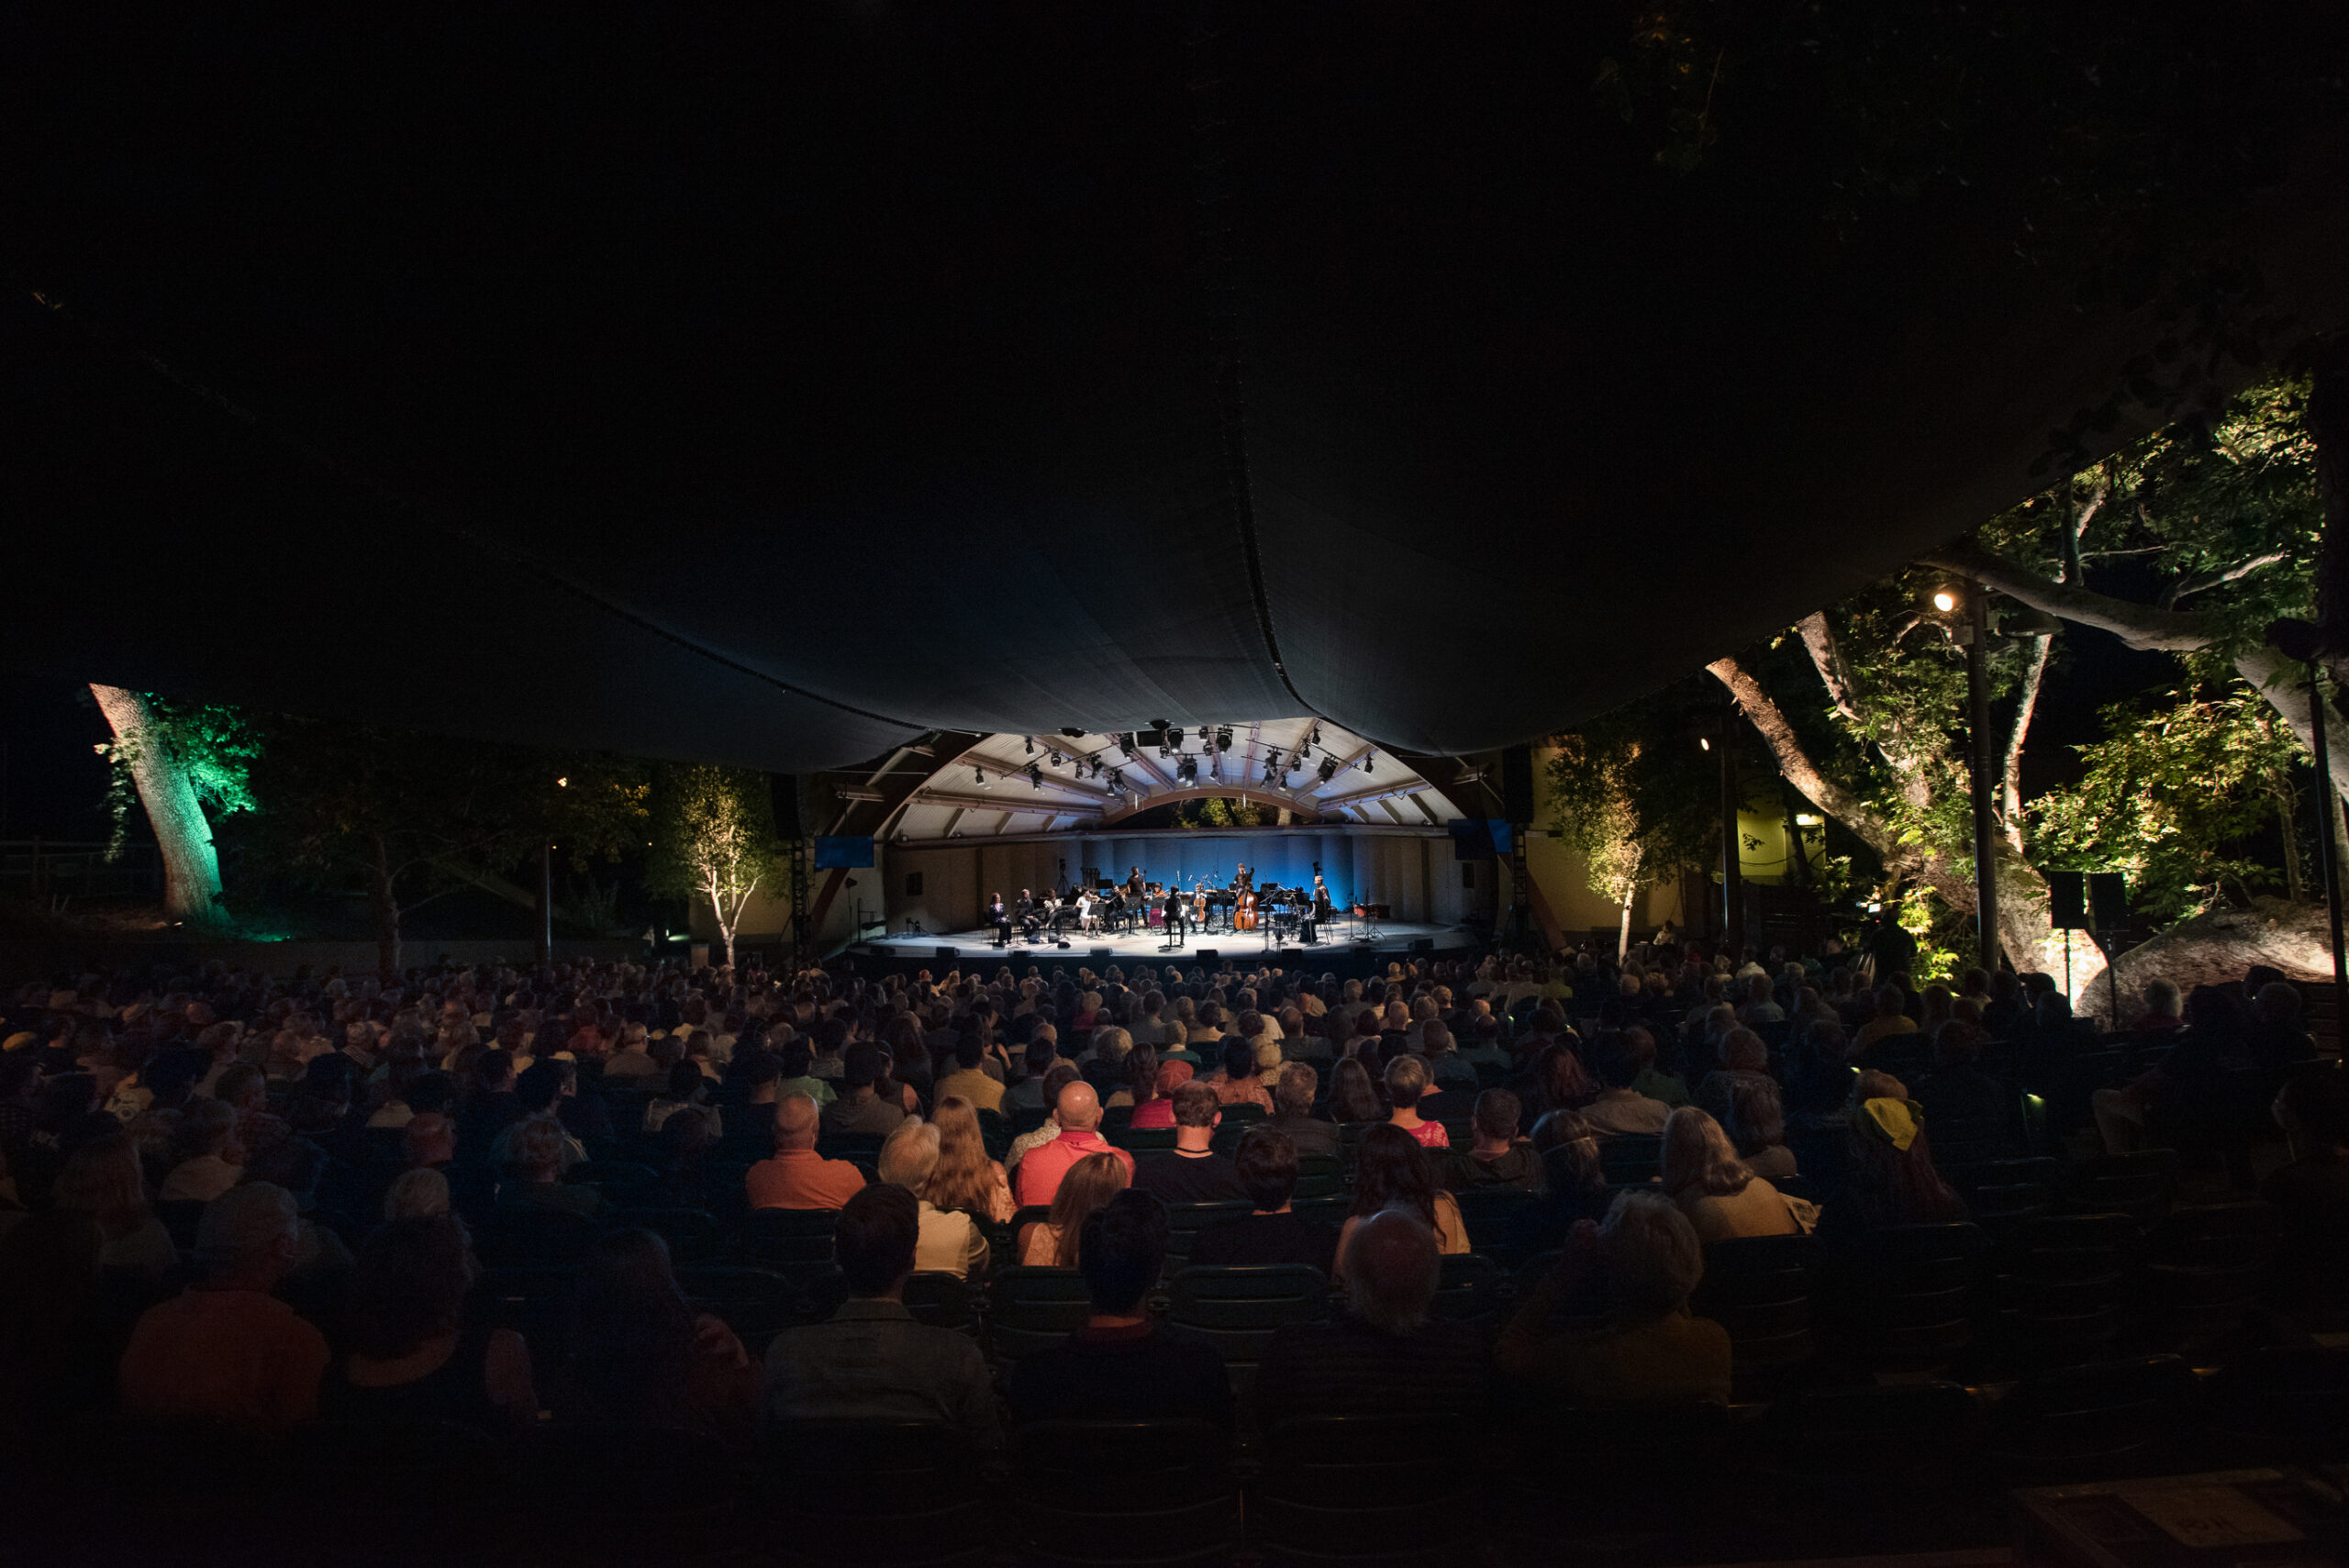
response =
{"points": [[1243, 917]]}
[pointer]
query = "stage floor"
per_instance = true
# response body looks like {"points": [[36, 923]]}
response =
{"points": [[1150, 947]]}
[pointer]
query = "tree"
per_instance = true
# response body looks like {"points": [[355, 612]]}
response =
{"points": [[414, 818], [177, 761], [2169, 798], [1627, 798], [714, 837]]}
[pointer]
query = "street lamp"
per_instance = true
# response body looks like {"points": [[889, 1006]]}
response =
{"points": [[1967, 606]]}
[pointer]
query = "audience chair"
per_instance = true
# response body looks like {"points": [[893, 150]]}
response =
{"points": [[2109, 1419], [1759, 1288], [1186, 1221], [785, 1238], [942, 1301], [534, 1300], [900, 1493], [1904, 1299], [1170, 1501], [621, 1181], [757, 1304], [1319, 1175], [512, 1238], [1498, 1220], [2139, 1185], [2061, 1281], [1468, 1290], [1032, 1309], [2206, 1267], [1639, 1471], [1630, 1158], [1890, 1448], [2000, 1191], [692, 1234], [1395, 1492], [1239, 1308]]}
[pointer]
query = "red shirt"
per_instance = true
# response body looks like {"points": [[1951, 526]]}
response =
{"points": [[1041, 1167], [235, 1356], [801, 1178]]}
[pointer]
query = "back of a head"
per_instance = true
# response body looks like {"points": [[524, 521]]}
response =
{"points": [[1742, 1051], [1293, 1096], [1267, 1163], [1699, 1158], [416, 1195], [685, 1081], [795, 1122], [911, 1155], [1652, 1259], [1196, 1105], [1122, 1250], [1497, 1114], [860, 1068], [494, 1071], [536, 1144], [1889, 1001], [1239, 1058], [1611, 1060], [1407, 1079], [874, 1240], [408, 1285], [1392, 1268], [539, 1086], [1077, 1107], [2278, 1003], [248, 1224]]}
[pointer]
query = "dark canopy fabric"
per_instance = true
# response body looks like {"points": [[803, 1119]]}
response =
{"points": [[772, 385]]}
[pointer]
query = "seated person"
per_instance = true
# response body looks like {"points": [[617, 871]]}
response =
{"points": [[950, 1243], [1406, 1085], [1293, 1111], [535, 1152], [1756, 1126], [206, 1159], [1642, 1346], [797, 1176], [2310, 1197], [1721, 1197], [861, 1111], [226, 1349], [1620, 1107], [1191, 1172], [540, 1089], [971, 1082], [413, 1356], [1077, 1110], [1890, 1179], [871, 1361], [1121, 1366], [1240, 1081], [1051, 1242], [1384, 1355], [1391, 1171], [1272, 1233], [1499, 1158]]}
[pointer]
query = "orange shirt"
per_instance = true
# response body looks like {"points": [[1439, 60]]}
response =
{"points": [[224, 1355], [801, 1178]]}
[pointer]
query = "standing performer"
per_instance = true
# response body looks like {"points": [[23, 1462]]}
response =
{"points": [[1133, 885]]}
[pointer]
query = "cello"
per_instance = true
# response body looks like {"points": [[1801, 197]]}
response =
{"points": [[1198, 904]]}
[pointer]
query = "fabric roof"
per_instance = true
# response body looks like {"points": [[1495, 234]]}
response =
{"points": [[773, 385]]}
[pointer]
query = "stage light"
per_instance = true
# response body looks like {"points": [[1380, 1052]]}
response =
{"points": [[1367, 758], [1035, 776], [1175, 739], [1329, 769], [1705, 742], [1118, 780], [1056, 759], [1314, 740], [1029, 741], [1223, 738], [1805, 820], [981, 773], [1945, 601], [1126, 743]]}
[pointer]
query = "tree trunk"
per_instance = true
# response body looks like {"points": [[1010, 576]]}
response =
{"points": [[2287, 820], [1623, 933], [383, 900], [2328, 421], [191, 864]]}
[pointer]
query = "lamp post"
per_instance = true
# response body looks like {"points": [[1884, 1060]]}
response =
{"points": [[1973, 633], [2299, 639], [1732, 873]]}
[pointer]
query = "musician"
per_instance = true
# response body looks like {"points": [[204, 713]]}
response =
{"points": [[1088, 919], [1000, 919], [1031, 915], [1110, 911], [1133, 885], [1242, 880], [1175, 913], [1321, 897]]}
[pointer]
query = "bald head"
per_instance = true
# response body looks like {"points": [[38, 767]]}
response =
{"points": [[1078, 1108], [794, 1122], [1391, 1268]]}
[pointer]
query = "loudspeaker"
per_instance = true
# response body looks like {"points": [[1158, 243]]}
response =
{"points": [[943, 953], [1517, 783], [1060, 944], [2067, 900], [1423, 944], [2109, 900], [784, 788], [1208, 955], [1102, 955]]}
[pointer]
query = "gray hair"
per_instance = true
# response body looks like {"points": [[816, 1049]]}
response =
{"points": [[1652, 1258], [418, 1194], [1392, 1268], [248, 1218], [911, 1155]]}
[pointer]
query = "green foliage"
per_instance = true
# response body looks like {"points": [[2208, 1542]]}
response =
{"points": [[1632, 791], [1219, 811], [713, 836], [2170, 796], [214, 746]]}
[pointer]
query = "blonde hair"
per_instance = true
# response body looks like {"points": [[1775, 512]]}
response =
{"points": [[1699, 1158], [909, 1156], [1089, 1184], [964, 1178]]}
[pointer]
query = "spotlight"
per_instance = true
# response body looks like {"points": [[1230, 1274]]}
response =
{"points": [[1223, 738], [1126, 743], [981, 775], [1056, 759], [1030, 742], [1367, 758], [1705, 742], [1118, 780], [1315, 739], [1329, 769], [1175, 738], [1035, 776], [1944, 600]]}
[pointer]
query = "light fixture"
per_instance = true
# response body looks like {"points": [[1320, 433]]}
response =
{"points": [[1945, 601], [1126, 743], [1367, 758], [563, 783], [1030, 742], [1706, 741], [1223, 738], [1314, 739], [1329, 769], [981, 773], [1806, 819], [1035, 776], [1175, 739], [1118, 780]]}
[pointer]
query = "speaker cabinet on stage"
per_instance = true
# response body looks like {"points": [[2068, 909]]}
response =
{"points": [[1517, 783], [943, 953], [1423, 944], [2067, 900], [1102, 955], [2109, 900], [1208, 955]]}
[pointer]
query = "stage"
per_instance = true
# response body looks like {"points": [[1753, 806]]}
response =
{"points": [[1347, 947]]}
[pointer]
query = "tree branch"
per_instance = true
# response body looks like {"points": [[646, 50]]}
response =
{"points": [[1818, 641], [1795, 763], [2206, 580], [2140, 626], [2010, 769]]}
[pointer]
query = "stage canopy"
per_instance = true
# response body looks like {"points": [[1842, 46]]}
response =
{"points": [[776, 384]]}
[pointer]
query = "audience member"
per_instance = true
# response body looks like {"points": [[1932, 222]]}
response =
{"points": [[225, 1350], [950, 1242], [1090, 1184], [1191, 1172], [411, 1355], [966, 1179], [1354, 1096], [1406, 1084], [206, 1160], [535, 1150], [1890, 1179], [1392, 1171], [1272, 1233], [1292, 1112], [1644, 1347], [871, 1361], [1384, 1355], [1078, 1110], [636, 1354], [1499, 1158], [796, 1176], [1721, 1197], [1618, 1107], [861, 1111], [1121, 1366]]}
